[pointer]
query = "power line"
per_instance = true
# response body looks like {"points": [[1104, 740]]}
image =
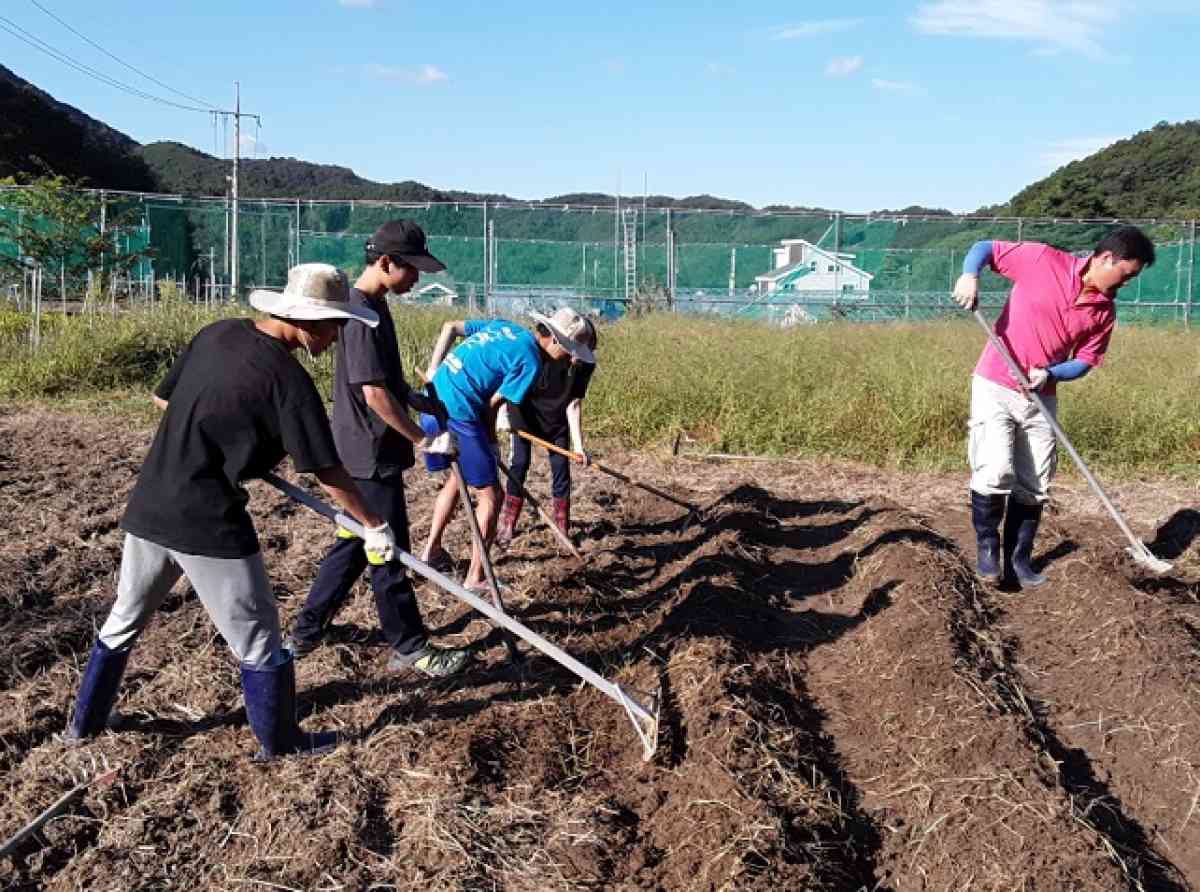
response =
{"points": [[37, 43], [93, 43]]}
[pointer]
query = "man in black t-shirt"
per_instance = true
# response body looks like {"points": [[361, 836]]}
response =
{"points": [[553, 411], [235, 402], [375, 438]]}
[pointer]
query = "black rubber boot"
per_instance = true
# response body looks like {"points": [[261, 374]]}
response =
{"points": [[271, 710], [1020, 529], [986, 512], [97, 693]]}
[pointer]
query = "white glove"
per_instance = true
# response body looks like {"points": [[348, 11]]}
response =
{"points": [[966, 291], [444, 443], [380, 544], [502, 422], [1037, 378]]}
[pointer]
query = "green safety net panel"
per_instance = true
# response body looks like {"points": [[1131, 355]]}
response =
{"points": [[578, 252]]}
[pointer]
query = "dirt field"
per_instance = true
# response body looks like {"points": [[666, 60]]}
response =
{"points": [[843, 708]]}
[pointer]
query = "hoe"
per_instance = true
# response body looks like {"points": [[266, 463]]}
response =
{"points": [[1137, 548]]}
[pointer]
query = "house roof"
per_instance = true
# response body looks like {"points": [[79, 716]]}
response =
{"points": [[839, 258]]}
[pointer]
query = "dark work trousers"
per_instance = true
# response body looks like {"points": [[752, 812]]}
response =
{"points": [[344, 563], [560, 465]]}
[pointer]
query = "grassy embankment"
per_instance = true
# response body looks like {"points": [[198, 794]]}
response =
{"points": [[892, 395]]}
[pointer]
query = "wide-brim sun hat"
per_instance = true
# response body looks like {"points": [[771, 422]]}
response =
{"points": [[568, 328], [314, 291]]}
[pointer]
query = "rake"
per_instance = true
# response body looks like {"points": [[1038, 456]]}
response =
{"points": [[1136, 549], [61, 805], [644, 718], [612, 472]]}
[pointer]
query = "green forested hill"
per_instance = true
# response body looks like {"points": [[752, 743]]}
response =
{"points": [[40, 135], [1155, 173], [186, 171]]}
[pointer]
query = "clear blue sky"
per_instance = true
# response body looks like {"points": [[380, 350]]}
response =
{"points": [[951, 103]]}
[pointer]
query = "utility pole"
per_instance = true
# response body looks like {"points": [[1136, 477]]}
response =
{"points": [[237, 114], [237, 150]]}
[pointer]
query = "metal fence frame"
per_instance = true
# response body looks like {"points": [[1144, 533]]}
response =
{"points": [[646, 249]]}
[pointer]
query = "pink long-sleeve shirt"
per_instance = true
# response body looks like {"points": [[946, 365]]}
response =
{"points": [[1048, 318]]}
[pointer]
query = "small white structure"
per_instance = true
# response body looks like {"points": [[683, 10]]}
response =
{"points": [[435, 293], [802, 266]]}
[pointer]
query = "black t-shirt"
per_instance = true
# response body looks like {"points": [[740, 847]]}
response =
{"points": [[238, 401], [558, 382], [365, 355]]}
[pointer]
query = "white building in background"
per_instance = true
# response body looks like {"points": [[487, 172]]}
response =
{"points": [[802, 266], [435, 293]]}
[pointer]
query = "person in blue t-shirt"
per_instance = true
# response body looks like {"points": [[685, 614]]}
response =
{"points": [[497, 362]]}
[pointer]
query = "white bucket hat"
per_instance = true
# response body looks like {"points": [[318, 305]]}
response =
{"points": [[568, 327], [314, 291]]}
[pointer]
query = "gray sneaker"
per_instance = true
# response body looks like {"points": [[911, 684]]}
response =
{"points": [[434, 662]]}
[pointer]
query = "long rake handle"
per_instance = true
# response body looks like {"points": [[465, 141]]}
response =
{"points": [[65, 801], [477, 538], [1137, 544], [644, 721], [612, 472]]}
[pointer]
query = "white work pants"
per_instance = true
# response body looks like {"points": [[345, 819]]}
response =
{"points": [[1010, 444]]}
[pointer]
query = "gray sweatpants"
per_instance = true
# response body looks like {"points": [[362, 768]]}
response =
{"points": [[235, 592]]}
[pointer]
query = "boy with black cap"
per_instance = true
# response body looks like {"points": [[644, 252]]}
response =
{"points": [[497, 362], [235, 402], [552, 410], [375, 438]]}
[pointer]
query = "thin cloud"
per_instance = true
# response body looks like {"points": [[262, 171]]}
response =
{"points": [[423, 75], [718, 69], [431, 74], [843, 66], [814, 28], [1075, 26], [895, 86], [615, 67], [1064, 151], [358, 4]]}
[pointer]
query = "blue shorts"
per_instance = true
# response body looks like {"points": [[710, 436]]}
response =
{"points": [[476, 452]]}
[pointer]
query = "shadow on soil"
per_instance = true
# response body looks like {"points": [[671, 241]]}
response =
{"points": [[984, 652]]}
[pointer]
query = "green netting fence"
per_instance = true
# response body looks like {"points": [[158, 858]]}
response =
{"points": [[785, 268]]}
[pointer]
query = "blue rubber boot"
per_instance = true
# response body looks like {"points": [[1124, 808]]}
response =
{"points": [[1020, 529], [97, 693], [986, 512], [271, 710]]}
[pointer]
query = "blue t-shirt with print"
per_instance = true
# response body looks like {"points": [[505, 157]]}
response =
{"points": [[497, 356]]}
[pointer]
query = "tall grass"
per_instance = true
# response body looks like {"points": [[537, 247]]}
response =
{"points": [[890, 395]]}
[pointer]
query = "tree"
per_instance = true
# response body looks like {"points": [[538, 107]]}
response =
{"points": [[54, 223]]}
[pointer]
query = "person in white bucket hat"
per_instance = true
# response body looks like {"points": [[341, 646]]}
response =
{"points": [[552, 410], [235, 403], [571, 331]]}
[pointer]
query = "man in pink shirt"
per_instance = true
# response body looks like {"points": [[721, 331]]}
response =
{"points": [[1056, 325]]}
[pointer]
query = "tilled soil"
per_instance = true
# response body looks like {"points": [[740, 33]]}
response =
{"points": [[843, 706]]}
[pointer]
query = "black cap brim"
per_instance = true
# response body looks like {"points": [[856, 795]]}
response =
{"points": [[426, 263]]}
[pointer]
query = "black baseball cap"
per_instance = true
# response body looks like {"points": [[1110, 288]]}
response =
{"points": [[405, 240]]}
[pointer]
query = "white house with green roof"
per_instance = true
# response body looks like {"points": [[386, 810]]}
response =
{"points": [[802, 266]]}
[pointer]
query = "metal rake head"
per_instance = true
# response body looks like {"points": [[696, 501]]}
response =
{"points": [[1145, 558]]}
